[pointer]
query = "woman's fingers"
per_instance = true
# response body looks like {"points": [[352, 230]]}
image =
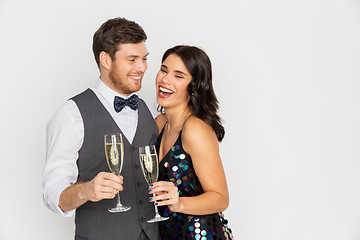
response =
{"points": [[166, 193], [160, 187]]}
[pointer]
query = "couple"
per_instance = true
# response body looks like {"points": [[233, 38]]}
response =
{"points": [[191, 190]]}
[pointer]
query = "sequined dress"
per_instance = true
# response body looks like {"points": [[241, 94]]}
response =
{"points": [[177, 167]]}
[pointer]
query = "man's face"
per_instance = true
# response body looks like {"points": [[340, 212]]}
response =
{"points": [[128, 68]]}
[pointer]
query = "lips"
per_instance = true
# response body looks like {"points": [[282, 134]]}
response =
{"points": [[135, 77], [165, 92]]}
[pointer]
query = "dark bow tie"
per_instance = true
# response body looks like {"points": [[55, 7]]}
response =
{"points": [[120, 103]]}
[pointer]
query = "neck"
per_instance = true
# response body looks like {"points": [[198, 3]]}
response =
{"points": [[107, 81], [176, 117]]}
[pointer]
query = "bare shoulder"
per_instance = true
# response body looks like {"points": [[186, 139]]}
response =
{"points": [[194, 123], [197, 132], [160, 120]]}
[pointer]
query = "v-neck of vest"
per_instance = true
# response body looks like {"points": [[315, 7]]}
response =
{"points": [[120, 130]]}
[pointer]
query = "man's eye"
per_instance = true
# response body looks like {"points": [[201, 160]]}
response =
{"points": [[132, 60], [164, 71], [145, 59]]}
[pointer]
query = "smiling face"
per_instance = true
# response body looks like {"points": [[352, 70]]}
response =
{"points": [[124, 73], [172, 82]]}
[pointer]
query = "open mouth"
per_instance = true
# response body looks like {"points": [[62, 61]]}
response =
{"points": [[136, 77], [165, 92]]}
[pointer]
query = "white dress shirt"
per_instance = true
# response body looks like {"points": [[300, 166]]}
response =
{"points": [[64, 138]]}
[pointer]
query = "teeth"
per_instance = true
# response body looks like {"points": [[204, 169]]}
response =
{"points": [[136, 77], [165, 90]]}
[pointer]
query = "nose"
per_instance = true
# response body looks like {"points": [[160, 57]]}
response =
{"points": [[141, 66], [165, 79]]}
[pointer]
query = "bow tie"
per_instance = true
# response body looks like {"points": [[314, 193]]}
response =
{"points": [[120, 103]]}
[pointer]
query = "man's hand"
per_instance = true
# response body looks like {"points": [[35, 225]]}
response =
{"points": [[103, 186]]}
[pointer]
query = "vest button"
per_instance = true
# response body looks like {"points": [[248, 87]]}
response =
{"points": [[138, 184], [142, 219], [133, 148], [140, 202], [137, 166]]}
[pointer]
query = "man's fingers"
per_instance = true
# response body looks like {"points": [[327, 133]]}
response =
{"points": [[105, 186], [110, 180], [103, 195], [110, 176], [112, 184]]}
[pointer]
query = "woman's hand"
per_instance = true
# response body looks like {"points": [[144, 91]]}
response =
{"points": [[166, 193]]}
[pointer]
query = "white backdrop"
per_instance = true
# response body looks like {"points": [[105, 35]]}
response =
{"points": [[288, 81]]}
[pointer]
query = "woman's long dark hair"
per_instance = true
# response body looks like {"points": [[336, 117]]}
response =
{"points": [[203, 100]]}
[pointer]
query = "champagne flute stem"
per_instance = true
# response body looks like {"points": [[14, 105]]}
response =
{"points": [[118, 199], [156, 208], [118, 194]]}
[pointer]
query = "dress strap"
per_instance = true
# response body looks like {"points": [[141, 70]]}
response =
{"points": [[162, 130], [185, 121], [161, 133]]}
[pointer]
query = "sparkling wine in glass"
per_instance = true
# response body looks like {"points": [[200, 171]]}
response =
{"points": [[150, 168], [114, 150]]}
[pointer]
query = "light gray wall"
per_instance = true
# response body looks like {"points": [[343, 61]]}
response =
{"points": [[287, 77]]}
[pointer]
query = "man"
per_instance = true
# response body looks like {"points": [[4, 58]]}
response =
{"points": [[76, 176]]}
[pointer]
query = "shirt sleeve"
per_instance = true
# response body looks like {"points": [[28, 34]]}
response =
{"points": [[64, 138]]}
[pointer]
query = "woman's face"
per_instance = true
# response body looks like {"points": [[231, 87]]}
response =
{"points": [[171, 83]]}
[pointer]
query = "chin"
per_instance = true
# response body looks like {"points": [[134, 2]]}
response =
{"points": [[160, 102], [136, 88]]}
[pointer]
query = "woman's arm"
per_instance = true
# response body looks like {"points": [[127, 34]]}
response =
{"points": [[199, 140]]}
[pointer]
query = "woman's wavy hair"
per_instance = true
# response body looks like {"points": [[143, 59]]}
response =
{"points": [[203, 100]]}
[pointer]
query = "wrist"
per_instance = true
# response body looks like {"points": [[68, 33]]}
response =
{"points": [[83, 191], [180, 206]]}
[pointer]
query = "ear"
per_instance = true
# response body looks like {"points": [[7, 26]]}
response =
{"points": [[105, 60]]}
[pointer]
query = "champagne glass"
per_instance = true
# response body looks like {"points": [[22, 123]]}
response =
{"points": [[114, 150], [150, 168]]}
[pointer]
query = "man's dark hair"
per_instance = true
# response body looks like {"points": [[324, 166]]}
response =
{"points": [[113, 32]]}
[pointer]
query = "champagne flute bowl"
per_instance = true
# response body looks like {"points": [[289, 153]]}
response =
{"points": [[114, 151], [150, 168]]}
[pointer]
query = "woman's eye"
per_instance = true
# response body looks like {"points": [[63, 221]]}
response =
{"points": [[178, 76]]}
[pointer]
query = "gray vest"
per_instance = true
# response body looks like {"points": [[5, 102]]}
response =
{"points": [[92, 219]]}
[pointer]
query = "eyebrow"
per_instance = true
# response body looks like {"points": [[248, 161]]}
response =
{"points": [[136, 56], [177, 71]]}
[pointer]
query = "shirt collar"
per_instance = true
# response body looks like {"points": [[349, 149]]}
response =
{"points": [[107, 92]]}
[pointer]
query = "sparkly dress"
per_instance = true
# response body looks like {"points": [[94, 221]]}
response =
{"points": [[177, 167]]}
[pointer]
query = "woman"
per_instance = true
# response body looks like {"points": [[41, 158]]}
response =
{"points": [[192, 185]]}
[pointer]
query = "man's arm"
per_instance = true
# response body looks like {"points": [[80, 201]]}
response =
{"points": [[103, 186], [64, 138], [61, 193]]}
